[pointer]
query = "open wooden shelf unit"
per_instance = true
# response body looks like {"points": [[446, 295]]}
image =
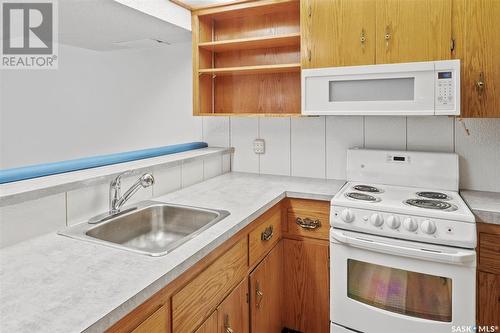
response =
{"points": [[246, 59]]}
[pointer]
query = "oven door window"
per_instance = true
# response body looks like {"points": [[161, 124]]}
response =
{"points": [[400, 291]]}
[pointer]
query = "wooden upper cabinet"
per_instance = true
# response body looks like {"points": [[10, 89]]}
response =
{"points": [[361, 32], [413, 30], [476, 30], [337, 33]]}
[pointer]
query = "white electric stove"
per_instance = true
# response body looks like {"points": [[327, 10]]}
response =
{"points": [[402, 245]]}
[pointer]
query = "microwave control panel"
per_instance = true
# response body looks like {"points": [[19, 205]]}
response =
{"points": [[445, 89]]}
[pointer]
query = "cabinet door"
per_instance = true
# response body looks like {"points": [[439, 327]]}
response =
{"points": [[488, 299], [158, 322], [413, 30], [337, 32], [209, 325], [306, 282], [265, 293], [233, 312], [476, 30]]}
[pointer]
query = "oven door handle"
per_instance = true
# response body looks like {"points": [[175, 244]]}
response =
{"points": [[459, 257]]}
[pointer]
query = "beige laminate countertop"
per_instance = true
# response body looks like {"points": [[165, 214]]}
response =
{"points": [[56, 284], [484, 205]]}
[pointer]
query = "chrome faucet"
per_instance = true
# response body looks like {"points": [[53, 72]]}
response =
{"points": [[116, 200]]}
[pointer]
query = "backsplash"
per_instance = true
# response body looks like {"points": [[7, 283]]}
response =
{"points": [[50, 213], [316, 146]]}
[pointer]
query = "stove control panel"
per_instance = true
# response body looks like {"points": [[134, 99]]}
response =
{"points": [[417, 228]]}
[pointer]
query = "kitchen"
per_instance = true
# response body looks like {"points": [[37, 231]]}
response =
{"points": [[253, 166]]}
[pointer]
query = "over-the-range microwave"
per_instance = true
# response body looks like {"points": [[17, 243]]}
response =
{"points": [[417, 88]]}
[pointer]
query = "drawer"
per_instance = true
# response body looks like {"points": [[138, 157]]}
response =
{"points": [[201, 296], [157, 322], [308, 224], [489, 252], [308, 218], [268, 232]]}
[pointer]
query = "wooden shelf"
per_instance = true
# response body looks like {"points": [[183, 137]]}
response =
{"points": [[244, 70], [252, 43], [247, 8]]}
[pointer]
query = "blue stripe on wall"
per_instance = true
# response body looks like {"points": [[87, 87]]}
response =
{"points": [[40, 170]]}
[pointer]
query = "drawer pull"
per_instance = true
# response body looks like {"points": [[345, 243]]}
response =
{"points": [[308, 223], [267, 234]]}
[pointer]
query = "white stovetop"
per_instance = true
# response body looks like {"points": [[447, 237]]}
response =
{"points": [[393, 197]]}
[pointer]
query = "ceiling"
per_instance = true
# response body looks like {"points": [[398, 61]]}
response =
{"points": [[104, 25]]}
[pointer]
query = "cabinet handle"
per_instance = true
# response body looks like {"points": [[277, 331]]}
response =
{"points": [[267, 234], [227, 327], [362, 37], [480, 83], [387, 36], [309, 55], [308, 223], [259, 295], [309, 11]]}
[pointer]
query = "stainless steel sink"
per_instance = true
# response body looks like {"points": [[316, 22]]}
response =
{"points": [[149, 227]]}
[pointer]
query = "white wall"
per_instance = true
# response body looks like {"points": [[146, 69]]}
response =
{"points": [[97, 103], [316, 147]]}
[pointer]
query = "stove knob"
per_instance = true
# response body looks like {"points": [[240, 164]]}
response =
{"points": [[410, 224], [377, 220], [347, 215], [428, 227], [393, 222]]}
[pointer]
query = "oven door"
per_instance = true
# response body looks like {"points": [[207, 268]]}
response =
{"points": [[383, 285]]}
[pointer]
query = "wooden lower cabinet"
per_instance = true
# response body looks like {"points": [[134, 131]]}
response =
{"points": [[306, 285], [204, 292], [266, 293], [270, 275], [488, 275], [233, 312], [158, 322], [210, 325], [489, 299]]}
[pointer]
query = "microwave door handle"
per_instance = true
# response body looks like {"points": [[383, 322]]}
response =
{"points": [[460, 257]]}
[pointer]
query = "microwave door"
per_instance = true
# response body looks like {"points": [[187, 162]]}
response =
{"points": [[408, 93]]}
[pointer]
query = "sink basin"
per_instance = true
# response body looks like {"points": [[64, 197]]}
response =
{"points": [[149, 227]]}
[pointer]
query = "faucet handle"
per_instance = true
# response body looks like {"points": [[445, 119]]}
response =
{"points": [[116, 182]]}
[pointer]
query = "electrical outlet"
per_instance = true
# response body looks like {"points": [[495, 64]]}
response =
{"points": [[259, 146]]}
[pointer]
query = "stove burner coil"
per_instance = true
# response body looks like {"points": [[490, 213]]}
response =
{"points": [[366, 188], [361, 196], [430, 204], [433, 195]]}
